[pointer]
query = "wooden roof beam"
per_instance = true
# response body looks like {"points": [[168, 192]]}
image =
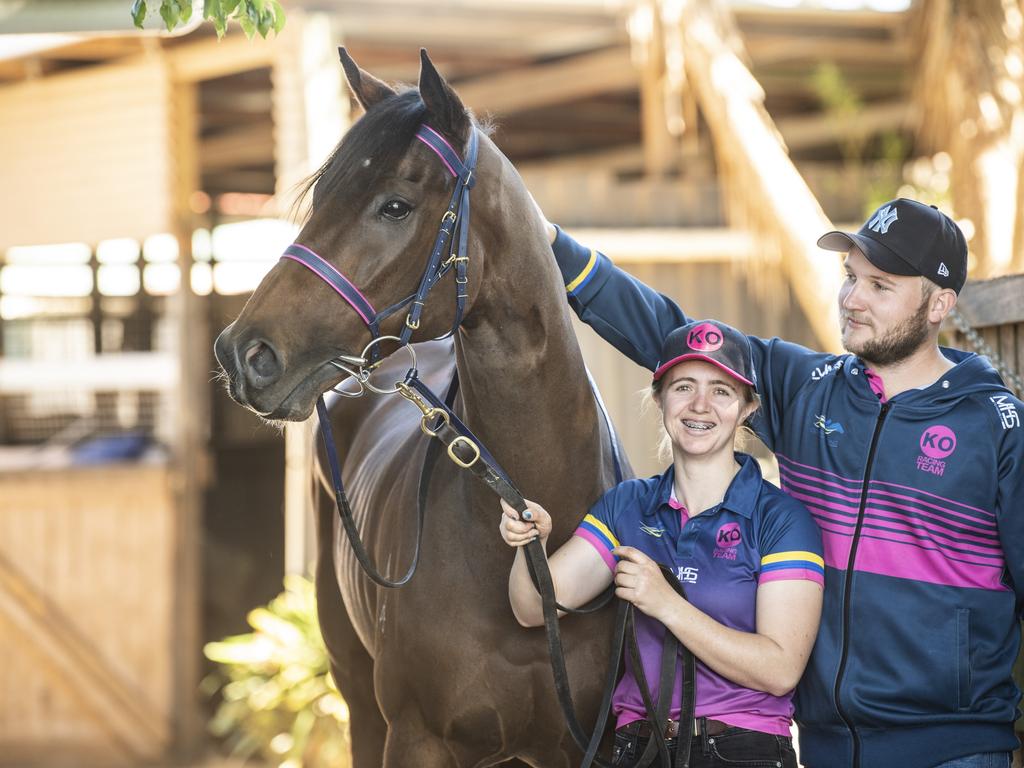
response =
{"points": [[747, 15], [820, 129], [766, 49], [541, 85], [212, 58], [245, 146], [670, 245]]}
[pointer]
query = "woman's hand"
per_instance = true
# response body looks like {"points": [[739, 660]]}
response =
{"points": [[639, 580], [518, 532]]}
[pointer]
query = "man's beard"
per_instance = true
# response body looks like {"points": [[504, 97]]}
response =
{"points": [[896, 345]]}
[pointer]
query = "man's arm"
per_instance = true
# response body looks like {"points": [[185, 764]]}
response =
{"points": [[634, 318], [1009, 508], [629, 315]]}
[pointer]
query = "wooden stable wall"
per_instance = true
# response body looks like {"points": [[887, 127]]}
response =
{"points": [[88, 602], [995, 308], [68, 141]]}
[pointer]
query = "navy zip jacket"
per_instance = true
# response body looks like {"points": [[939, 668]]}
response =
{"points": [[920, 501]]}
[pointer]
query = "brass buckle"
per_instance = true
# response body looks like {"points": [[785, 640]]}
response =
{"points": [[432, 414], [448, 216], [452, 455], [412, 324]]}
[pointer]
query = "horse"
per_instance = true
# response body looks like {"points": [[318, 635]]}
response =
{"points": [[437, 673]]}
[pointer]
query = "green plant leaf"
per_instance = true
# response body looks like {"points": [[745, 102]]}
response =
{"points": [[214, 11], [138, 13], [247, 25], [278, 16], [265, 24], [170, 13], [186, 10], [275, 680]]}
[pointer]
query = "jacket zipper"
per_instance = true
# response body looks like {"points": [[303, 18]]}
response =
{"points": [[849, 584]]}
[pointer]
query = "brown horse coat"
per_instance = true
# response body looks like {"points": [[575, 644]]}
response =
{"points": [[437, 673]]}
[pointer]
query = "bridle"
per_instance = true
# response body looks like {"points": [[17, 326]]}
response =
{"points": [[453, 233]]}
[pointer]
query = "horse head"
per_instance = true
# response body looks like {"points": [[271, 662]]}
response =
{"points": [[377, 205]]}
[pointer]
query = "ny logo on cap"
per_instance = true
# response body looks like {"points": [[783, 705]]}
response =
{"points": [[883, 219]]}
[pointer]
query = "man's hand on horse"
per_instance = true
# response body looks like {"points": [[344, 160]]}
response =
{"points": [[549, 228], [518, 532], [639, 580]]}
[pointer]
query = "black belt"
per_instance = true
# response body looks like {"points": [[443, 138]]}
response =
{"points": [[710, 727]]}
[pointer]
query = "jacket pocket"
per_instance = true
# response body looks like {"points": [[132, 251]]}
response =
{"points": [[963, 658]]}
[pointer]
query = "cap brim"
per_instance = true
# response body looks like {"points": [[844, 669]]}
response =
{"points": [[878, 254], [664, 367]]}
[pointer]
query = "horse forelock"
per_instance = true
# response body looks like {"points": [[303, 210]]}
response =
{"points": [[382, 136], [371, 148]]}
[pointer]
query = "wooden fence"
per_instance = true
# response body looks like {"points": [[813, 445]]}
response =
{"points": [[88, 607]]}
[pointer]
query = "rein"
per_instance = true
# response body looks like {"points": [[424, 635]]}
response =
{"points": [[439, 421]]}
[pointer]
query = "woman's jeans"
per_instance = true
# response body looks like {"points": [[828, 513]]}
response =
{"points": [[731, 749]]}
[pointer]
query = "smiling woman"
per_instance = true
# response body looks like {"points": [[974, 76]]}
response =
{"points": [[748, 556]]}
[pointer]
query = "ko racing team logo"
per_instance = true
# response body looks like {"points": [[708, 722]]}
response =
{"points": [[937, 444], [727, 540], [706, 337]]}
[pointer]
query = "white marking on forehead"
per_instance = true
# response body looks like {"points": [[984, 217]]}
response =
{"points": [[367, 161]]}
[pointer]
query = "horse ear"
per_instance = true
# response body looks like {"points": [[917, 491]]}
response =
{"points": [[445, 111], [368, 89]]}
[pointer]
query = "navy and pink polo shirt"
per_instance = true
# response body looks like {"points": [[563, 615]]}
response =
{"points": [[756, 535]]}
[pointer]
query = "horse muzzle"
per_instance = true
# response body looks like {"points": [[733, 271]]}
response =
{"points": [[252, 368]]}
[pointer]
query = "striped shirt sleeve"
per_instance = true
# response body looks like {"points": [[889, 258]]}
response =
{"points": [[780, 566], [597, 529], [790, 544]]}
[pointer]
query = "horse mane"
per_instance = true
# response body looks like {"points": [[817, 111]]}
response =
{"points": [[383, 133]]}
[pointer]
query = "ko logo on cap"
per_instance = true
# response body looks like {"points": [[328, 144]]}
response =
{"points": [[938, 441], [705, 338]]}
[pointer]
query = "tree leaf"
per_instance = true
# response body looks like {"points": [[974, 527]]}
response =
{"points": [[278, 16], [266, 23], [229, 6], [214, 11], [170, 13], [186, 10], [247, 24], [138, 13]]}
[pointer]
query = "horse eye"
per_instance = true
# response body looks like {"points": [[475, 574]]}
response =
{"points": [[395, 209]]}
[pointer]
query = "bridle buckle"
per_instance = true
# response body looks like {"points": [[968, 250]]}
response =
{"points": [[463, 440]]}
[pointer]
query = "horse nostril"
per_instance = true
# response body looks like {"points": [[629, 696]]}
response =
{"points": [[261, 365]]}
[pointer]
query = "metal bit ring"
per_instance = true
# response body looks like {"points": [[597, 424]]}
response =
{"points": [[369, 369]]}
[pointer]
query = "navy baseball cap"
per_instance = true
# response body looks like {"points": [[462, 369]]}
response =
{"points": [[713, 342], [905, 237]]}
